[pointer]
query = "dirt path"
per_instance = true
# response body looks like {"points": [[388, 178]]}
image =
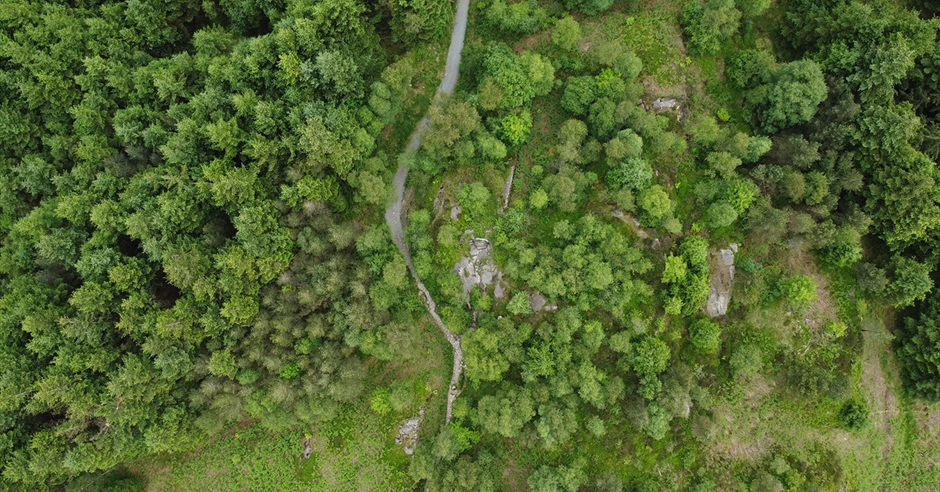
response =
{"points": [[393, 214], [879, 394]]}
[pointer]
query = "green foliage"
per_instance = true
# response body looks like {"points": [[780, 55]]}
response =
{"points": [[708, 26], [589, 7], [474, 198], [560, 478], [516, 127], [655, 204], [602, 119], [909, 281], [752, 8], [416, 20], [650, 356], [798, 290], [917, 346], [493, 346], [290, 371], [765, 482], [793, 95], [675, 269], [223, 363], [720, 214], [359, 455], [658, 424], [746, 360], [687, 292], [571, 136], [579, 94], [632, 173], [853, 415], [555, 424], [520, 78], [539, 199], [596, 426], [379, 403], [451, 123], [401, 396], [566, 34], [871, 279], [705, 335], [190, 237], [517, 18], [388, 95], [519, 304], [566, 188], [506, 414]]}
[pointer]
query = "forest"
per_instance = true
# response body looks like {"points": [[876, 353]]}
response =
{"points": [[672, 245]]}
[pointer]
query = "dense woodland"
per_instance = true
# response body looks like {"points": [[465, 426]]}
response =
{"points": [[191, 214]]}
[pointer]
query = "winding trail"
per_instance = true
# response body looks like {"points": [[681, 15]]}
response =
{"points": [[393, 214]]}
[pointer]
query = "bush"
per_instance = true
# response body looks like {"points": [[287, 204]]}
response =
{"points": [[720, 214], [633, 173], [853, 415], [379, 402], [705, 335], [655, 204], [799, 290], [746, 361], [519, 304], [401, 396]]}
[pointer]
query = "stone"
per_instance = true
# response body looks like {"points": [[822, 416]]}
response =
{"points": [[665, 103], [719, 297]]}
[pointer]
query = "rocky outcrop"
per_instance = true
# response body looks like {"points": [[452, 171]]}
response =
{"points": [[722, 266]]}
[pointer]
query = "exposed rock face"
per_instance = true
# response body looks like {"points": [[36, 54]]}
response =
{"points": [[478, 269], [507, 188], [408, 432], [539, 303], [719, 297], [665, 103]]}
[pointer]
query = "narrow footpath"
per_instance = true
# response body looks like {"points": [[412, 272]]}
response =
{"points": [[393, 214]]}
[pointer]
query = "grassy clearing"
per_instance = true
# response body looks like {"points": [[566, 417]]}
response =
{"points": [[654, 35], [899, 450], [351, 453]]}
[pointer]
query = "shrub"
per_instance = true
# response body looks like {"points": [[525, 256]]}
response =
{"points": [[799, 290], [519, 304], [705, 335], [853, 415], [290, 371], [746, 361], [379, 402]]}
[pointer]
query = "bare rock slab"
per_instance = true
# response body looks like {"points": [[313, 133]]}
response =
{"points": [[722, 267], [479, 269]]}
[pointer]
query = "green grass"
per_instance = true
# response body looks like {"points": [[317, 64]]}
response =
{"points": [[354, 452], [656, 38]]}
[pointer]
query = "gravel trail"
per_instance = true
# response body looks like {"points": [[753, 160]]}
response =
{"points": [[393, 214]]}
